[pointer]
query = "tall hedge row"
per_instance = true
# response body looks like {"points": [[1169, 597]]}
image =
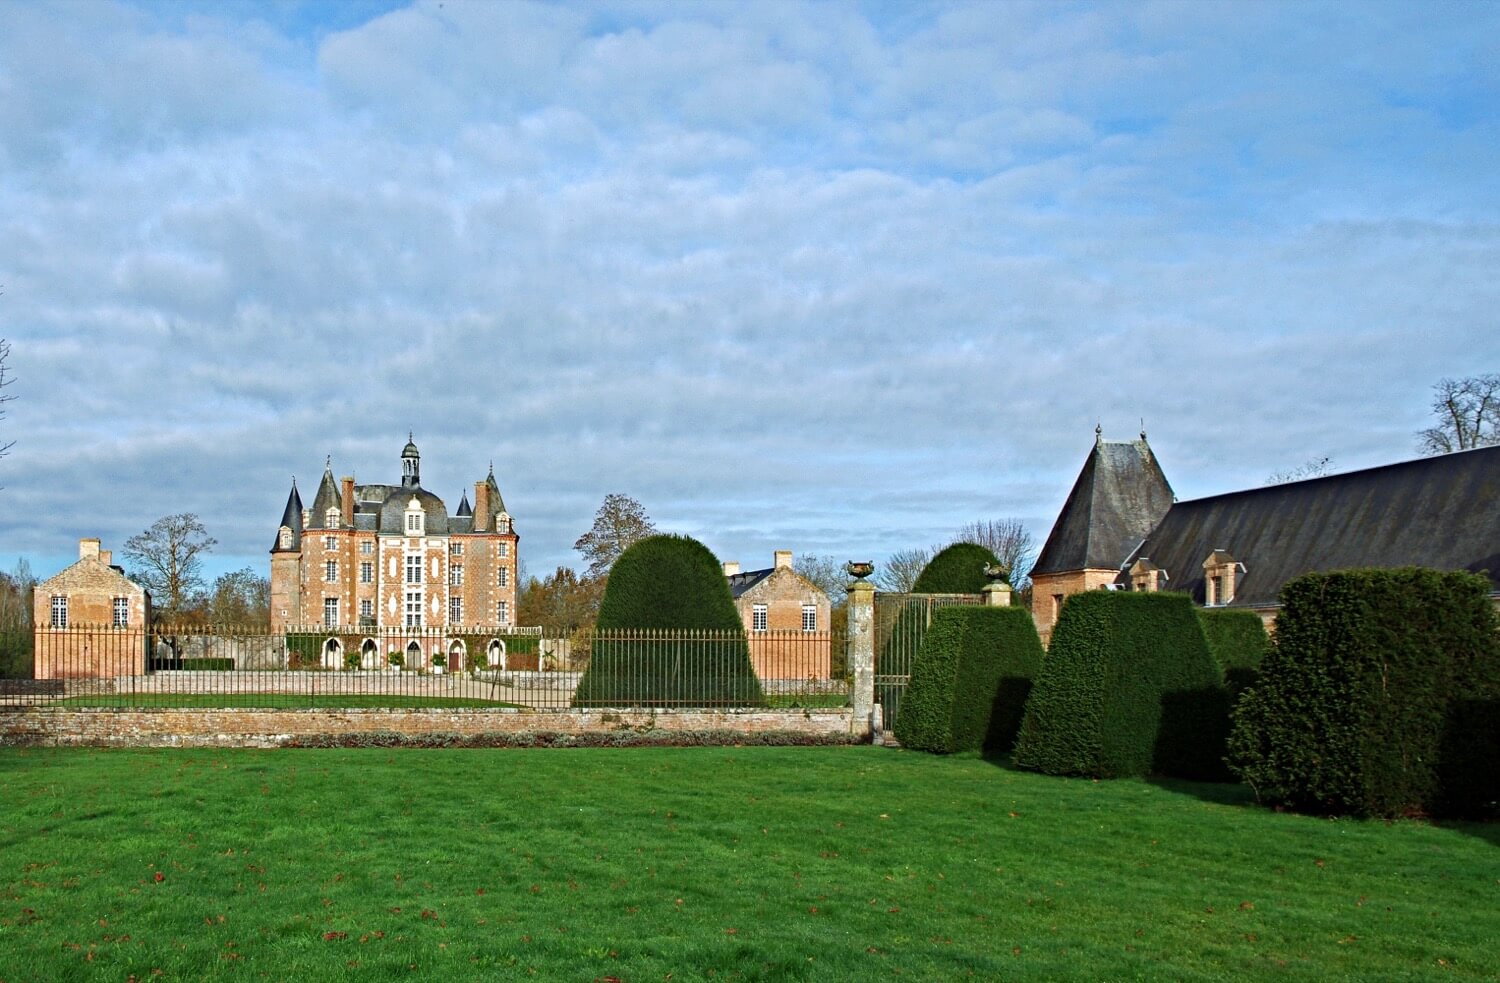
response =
{"points": [[970, 680], [1238, 642], [669, 583], [1128, 687], [1378, 697], [956, 569]]}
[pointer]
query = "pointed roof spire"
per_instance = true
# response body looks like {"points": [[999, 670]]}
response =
{"points": [[291, 518], [1119, 497], [464, 508]]}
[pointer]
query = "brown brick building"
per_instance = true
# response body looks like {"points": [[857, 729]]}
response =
{"points": [[786, 617], [91, 594], [379, 559]]}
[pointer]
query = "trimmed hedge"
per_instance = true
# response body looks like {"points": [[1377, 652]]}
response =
{"points": [[1378, 697], [1239, 643], [970, 680], [669, 583], [957, 569], [1128, 687]]}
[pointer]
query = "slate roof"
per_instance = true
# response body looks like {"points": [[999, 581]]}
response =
{"points": [[741, 582], [1441, 512], [1120, 495], [381, 508], [291, 517]]}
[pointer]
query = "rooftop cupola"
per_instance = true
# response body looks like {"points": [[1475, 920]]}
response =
{"points": [[411, 465]]}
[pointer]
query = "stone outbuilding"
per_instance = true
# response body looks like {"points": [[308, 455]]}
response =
{"points": [[1121, 529], [91, 620]]}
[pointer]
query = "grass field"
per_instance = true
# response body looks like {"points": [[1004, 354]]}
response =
{"points": [[692, 864]]}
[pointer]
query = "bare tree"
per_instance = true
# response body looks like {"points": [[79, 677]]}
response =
{"points": [[898, 574], [1315, 468], [620, 521], [826, 572], [5, 397], [241, 597], [167, 561], [1468, 415], [1009, 540]]}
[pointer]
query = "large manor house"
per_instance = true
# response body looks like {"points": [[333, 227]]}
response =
{"points": [[392, 557]]}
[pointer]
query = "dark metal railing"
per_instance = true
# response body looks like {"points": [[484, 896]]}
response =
{"points": [[503, 668]]}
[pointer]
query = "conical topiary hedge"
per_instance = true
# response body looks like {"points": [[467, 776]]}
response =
{"points": [[668, 633]]}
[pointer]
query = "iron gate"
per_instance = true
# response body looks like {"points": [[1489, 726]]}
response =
{"points": [[901, 622]]}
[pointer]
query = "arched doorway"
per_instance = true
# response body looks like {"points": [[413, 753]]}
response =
{"points": [[456, 652], [333, 654], [413, 655], [369, 654], [495, 654]]}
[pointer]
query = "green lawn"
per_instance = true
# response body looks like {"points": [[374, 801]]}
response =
{"points": [[717, 863], [276, 700]]}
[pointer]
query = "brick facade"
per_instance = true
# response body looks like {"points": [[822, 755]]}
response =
{"points": [[782, 594], [391, 556], [90, 593]]}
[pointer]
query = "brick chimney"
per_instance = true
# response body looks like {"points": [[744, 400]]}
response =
{"points": [[481, 506], [106, 558], [348, 501], [88, 549], [783, 559], [731, 567]]}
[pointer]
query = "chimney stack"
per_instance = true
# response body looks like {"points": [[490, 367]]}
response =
{"points": [[731, 567], [88, 549], [783, 559], [348, 501], [106, 558], [481, 506]]}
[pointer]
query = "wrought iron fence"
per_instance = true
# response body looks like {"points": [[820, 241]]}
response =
{"points": [[901, 622], [501, 668]]}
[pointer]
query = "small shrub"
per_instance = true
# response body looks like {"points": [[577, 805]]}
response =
{"points": [[957, 569], [970, 680], [1377, 692], [1128, 687], [669, 584], [395, 659], [208, 665]]}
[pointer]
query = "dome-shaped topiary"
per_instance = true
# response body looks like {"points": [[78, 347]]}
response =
{"points": [[957, 569], [668, 633], [668, 581]]}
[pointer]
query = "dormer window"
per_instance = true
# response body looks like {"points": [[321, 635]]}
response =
{"points": [[332, 518], [502, 523], [1220, 576], [1147, 576], [415, 520], [285, 538]]}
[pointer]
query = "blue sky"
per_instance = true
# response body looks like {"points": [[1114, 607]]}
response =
{"points": [[829, 277]]}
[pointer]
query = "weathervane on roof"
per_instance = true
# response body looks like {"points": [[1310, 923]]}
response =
{"points": [[1098, 432], [1143, 428]]}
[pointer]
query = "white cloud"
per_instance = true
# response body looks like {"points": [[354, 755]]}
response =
{"points": [[793, 276]]}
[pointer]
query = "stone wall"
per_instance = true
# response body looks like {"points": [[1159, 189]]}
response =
{"points": [[275, 728]]}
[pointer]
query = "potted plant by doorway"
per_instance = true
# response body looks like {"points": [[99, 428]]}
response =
{"points": [[395, 660], [439, 663]]}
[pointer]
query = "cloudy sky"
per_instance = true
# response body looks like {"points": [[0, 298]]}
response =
{"points": [[834, 277]]}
